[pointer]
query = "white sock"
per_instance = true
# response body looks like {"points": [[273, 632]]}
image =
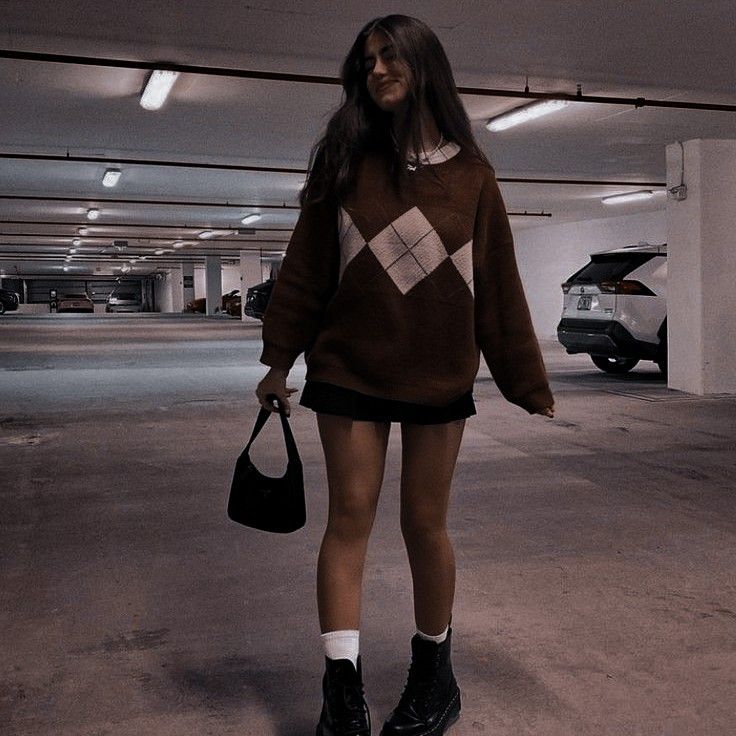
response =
{"points": [[342, 644], [436, 639]]}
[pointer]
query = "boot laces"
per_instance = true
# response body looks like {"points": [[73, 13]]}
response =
{"points": [[421, 684], [351, 716]]}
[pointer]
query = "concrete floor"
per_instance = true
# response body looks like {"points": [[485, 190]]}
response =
{"points": [[596, 591]]}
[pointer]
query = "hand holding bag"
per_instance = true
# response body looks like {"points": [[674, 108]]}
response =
{"points": [[261, 502]]}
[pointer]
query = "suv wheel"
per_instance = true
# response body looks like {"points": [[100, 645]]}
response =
{"points": [[614, 364]]}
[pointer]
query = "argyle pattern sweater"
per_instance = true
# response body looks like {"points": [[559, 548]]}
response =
{"points": [[398, 296]]}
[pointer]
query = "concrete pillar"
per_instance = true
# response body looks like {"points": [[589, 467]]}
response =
{"points": [[701, 235], [213, 283], [251, 273]]}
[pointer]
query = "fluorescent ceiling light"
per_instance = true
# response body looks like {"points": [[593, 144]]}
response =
{"points": [[633, 197], [111, 177], [206, 234], [82, 230], [93, 213], [250, 218], [157, 89], [524, 114]]}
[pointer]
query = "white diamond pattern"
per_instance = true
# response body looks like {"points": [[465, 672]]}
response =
{"points": [[409, 249], [406, 273], [429, 251], [351, 241], [463, 260]]}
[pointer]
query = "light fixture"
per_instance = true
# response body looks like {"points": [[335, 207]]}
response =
{"points": [[250, 218], [111, 177], [82, 230], [632, 197], [76, 241], [525, 113], [157, 88], [206, 234], [93, 213]]}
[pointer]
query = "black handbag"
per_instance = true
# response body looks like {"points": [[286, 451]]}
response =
{"points": [[261, 502]]}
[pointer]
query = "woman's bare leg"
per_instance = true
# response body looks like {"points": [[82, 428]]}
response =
{"points": [[355, 456], [429, 454]]}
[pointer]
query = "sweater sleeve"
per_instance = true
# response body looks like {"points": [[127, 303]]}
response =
{"points": [[503, 326], [306, 281]]}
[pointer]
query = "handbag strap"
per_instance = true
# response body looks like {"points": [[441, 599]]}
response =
{"points": [[263, 415]]}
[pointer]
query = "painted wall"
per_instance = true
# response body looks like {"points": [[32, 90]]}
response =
{"points": [[702, 300], [230, 280], [547, 255]]}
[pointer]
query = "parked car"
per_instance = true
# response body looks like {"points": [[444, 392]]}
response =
{"points": [[124, 301], [230, 304], [615, 308], [9, 301], [256, 299], [74, 302]]}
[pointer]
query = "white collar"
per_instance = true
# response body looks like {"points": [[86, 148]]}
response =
{"points": [[446, 151]]}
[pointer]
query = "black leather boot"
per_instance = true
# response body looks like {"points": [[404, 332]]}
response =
{"points": [[430, 703], [344, 710]]}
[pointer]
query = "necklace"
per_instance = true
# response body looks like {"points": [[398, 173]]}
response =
{"points": [[413, 164], [427, 156]]}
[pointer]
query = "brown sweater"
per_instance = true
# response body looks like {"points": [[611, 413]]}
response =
{"points": [[397, 297]]}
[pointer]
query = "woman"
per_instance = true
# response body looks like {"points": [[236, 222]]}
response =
{"points": [[399, 273]]}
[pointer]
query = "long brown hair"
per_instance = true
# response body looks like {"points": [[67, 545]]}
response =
{"points": [[359, 125]]}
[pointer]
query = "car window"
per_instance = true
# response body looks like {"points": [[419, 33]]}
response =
{"points": [[609, 267]]}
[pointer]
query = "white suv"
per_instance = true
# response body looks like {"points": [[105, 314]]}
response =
{"points": [[615, 308]]}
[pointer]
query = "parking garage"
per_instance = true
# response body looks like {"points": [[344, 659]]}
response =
{"points": [[595, 590]]}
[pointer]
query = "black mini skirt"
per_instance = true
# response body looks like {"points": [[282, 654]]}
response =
{"points": [[327, 398]]}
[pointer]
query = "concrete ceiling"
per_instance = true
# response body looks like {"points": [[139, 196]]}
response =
{"points": [[679, 51]]}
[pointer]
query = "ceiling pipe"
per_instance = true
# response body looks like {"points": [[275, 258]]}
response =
{"points": [[166, 203], [335, 81], [151, 162], [269, 169], [104, 225], [89, 240]]}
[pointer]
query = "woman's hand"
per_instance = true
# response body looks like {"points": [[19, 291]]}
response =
{"points": [[548, 411], [274, 382]]}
